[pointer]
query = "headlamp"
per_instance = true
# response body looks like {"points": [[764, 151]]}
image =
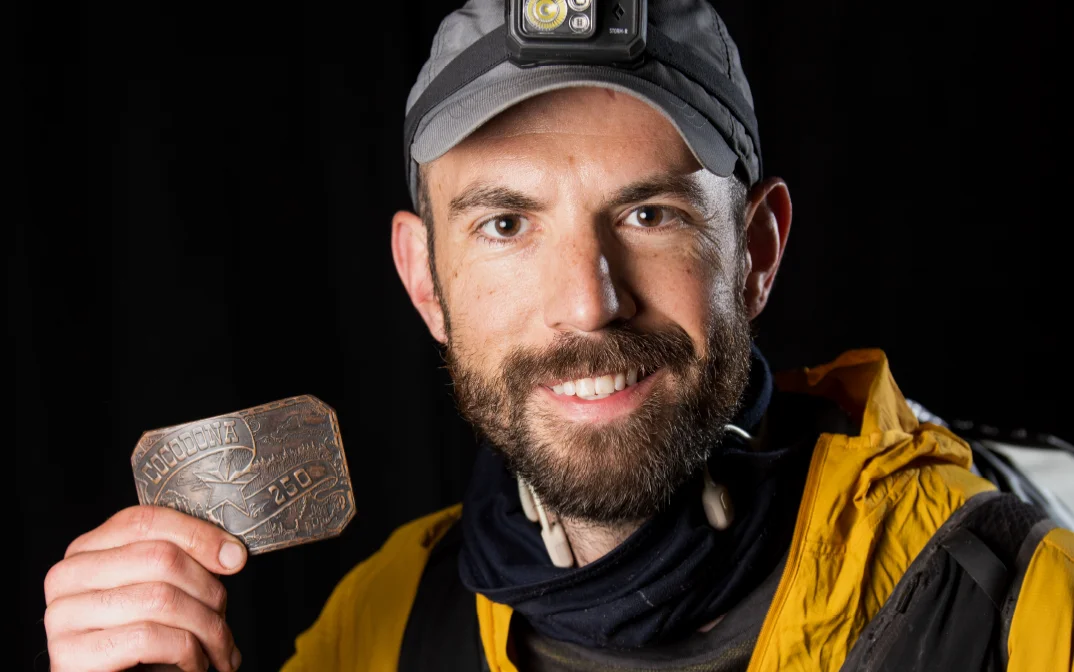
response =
{"points": [[607, 32]]}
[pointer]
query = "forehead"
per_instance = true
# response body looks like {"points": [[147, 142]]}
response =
{"points": [[597, 130]]}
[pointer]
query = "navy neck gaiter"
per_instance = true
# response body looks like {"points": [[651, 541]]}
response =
{"points": [[672, 575]]}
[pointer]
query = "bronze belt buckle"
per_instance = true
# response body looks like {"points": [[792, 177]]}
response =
{"points": [[274, 475]]}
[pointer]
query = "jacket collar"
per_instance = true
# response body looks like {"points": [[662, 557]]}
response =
{"points": [[848, 495]]}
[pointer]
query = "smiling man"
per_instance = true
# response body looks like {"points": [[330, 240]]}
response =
{"points": [[589, 284], [590, 246]]}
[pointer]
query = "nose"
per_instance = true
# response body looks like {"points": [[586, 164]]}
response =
{"points": [[582, 292]]}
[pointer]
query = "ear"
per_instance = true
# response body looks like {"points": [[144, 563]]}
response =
{"points": [[411, 254], [768, 223]]}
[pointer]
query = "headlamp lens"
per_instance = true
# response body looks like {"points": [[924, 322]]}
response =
{"points": [[545, 14]]}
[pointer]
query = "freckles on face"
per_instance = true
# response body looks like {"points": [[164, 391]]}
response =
{"points": [[685, 288], [490, 299], [489, 306]]}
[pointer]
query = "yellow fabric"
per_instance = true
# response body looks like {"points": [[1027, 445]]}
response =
{"points": [[494, 623], [870, 504], [1043, 620], [361, 626]]}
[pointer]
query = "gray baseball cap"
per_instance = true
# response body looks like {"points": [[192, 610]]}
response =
{"points": [[691, 73]]}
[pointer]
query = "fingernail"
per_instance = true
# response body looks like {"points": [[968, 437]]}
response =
{"points": [[236, 658], [231, 555]]}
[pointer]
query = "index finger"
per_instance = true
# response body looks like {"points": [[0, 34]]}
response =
{"points": [[210, 546]]}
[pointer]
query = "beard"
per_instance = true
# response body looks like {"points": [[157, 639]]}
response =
{"points": [[629, 468]]}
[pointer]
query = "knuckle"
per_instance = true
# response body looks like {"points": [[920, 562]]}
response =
{"points": [[166, 557], [50, 619], [53, 581], [189, 646], [74, 546], [136, 638], [139, 519], [218, 630], [162, 598], [195, 539], [217, 596]]}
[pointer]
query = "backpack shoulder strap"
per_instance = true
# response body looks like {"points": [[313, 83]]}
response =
{"points": [[954, 604], [1021, 563], [442, 630]]}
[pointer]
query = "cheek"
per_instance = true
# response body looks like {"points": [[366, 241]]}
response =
{"points": [[491, 305], [685, 286]]}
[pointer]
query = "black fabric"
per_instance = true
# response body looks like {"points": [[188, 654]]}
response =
{"points": [[951, 623], [978, 560], [483, 55], [673, 573], [944, 613], [727, 647], [442, 630]]}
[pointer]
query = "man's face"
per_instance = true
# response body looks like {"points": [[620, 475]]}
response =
{"points": [[590, 279]]}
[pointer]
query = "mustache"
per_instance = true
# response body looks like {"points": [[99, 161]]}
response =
{"points": [[570, 356]]}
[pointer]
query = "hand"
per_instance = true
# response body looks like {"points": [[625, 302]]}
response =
{"points": [[141, 589]]}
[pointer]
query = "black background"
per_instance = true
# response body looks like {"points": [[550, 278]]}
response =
{"points": [[202, 201]]}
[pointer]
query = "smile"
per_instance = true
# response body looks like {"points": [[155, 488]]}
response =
{"points": [[601, 398], [599, 387]]}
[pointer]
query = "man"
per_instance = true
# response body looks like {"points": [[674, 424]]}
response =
{"points": [[591, 244]]}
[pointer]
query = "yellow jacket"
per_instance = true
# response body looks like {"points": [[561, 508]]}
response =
{"points": [[871, 502]]}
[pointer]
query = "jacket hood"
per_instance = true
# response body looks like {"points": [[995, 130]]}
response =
{"points": [[871, 503], [889, 437]]}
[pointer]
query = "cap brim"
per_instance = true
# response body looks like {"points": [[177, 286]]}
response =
{"points": [[505, 85]]}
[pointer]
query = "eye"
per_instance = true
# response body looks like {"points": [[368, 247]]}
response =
{"points": [[649, 216], [502, 227]]}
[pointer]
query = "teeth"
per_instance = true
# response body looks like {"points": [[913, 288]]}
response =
{"points": [[598, 387], [604, 385]]}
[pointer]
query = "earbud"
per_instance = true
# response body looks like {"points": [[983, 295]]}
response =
{"points": [[715, 497], [555, 538], [552, 532], [528, 506], [716, 500]]}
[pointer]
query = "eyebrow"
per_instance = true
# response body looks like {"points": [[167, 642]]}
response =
{"points": [[484, 195], [663, 184], [488, 196]]}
